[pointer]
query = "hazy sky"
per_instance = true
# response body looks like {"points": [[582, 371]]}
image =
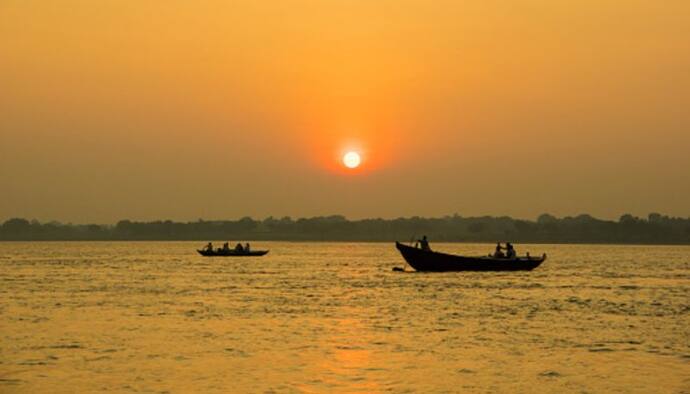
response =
{"points": [[168, 109]]}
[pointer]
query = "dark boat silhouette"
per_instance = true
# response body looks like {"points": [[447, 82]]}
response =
{"points": [[231, 252], [428, 260]]}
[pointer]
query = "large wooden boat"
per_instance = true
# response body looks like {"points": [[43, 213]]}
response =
{"points": [[231, 253], [427, 260]]}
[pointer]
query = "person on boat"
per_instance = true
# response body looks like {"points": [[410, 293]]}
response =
{"points": [[246, 247], [209, 247], [239, 248], [226, 247], [424, 243], [499, 252], [510, 251]]}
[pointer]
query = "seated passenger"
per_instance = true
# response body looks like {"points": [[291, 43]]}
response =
{"points": [[246, 247], [510, 252], [238, 248], [226, 247], [209, 247], [498, 253]]}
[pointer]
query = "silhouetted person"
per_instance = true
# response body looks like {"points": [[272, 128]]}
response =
{"points": [[246, 247], [238, 248], [499, 253], [226, 247], [209, 247], [424, 243], [510, 252]]}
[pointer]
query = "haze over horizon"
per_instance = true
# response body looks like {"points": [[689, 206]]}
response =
{"points": [[137, 110]]}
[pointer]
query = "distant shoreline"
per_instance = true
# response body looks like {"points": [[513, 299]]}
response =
{"points": [[656, 229]]}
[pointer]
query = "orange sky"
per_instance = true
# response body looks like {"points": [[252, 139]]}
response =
{"points": [[145, 110]]}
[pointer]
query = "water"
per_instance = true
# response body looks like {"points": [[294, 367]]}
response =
{"points": [[330, 317]]}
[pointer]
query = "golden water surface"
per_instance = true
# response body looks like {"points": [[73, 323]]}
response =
{"points": [[334, 317]]}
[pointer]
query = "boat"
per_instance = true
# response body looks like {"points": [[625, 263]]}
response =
{"points": [[231, 252], [432, 261]]}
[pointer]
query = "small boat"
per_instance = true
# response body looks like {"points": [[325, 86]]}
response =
{"points": [[428, 260], [231, 252]]}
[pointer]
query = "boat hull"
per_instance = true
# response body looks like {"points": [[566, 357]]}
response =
{"points": [[231, 253], [430, 261]]}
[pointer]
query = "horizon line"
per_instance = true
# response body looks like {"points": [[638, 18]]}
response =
{"points": [[345, 218]]}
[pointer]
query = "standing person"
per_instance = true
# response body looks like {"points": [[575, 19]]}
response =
{"points": [[246, 247], [424, 243], [209, 247]]}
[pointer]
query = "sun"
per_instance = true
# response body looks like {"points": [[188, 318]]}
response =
{"points": [[352, 160]]}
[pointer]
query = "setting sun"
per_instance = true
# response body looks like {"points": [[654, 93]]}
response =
{"points": [[352, 160]]}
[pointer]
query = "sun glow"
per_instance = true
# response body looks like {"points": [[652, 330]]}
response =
{"points": [[352, 160]]}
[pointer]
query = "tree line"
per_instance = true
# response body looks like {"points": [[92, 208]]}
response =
{"points": [[654, 229]]}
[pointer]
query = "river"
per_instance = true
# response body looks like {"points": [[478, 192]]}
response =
{"points": [[334, 317]]}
